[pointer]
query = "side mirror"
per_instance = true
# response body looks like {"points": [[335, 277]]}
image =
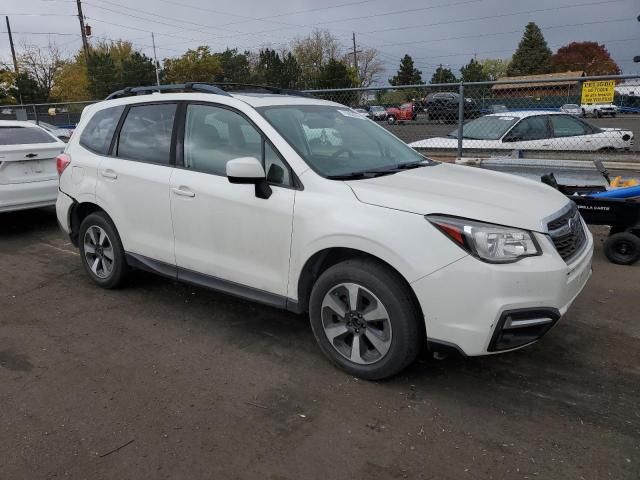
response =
{"points": [[249, 170]]}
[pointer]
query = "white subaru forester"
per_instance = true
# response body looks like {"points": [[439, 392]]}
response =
{"points": [[306, 205]]}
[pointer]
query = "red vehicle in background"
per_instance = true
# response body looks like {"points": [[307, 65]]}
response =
{"points": [[404, 113]]}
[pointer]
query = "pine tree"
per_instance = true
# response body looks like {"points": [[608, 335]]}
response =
{"points": [[443, 75], [407, 73], [473, 72], [533, 55]]}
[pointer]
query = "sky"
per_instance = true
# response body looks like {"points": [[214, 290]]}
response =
{"points": [[433, 32]]}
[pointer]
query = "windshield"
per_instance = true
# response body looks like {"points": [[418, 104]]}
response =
{"points": [[571, 105], [486, 128], [338, 142], [377, 109], [24, 136]]}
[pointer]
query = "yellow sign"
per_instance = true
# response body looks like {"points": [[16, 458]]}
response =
{"points": [[601, 91]]}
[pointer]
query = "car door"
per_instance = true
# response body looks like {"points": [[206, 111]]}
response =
{"points": [[225, 236], [133, 182], [570, 133], [530, 133]]}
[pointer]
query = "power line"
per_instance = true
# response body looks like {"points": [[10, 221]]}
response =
{"points": [[490, 17]]}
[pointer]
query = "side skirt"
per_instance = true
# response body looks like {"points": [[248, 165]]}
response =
{"points": [[213, 283]]}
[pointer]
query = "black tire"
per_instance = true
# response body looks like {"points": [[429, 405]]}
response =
{"points": [[613, 115], [119, 269], [622, 248], [406, 326], [598, 114], [391, 120], [584, 113]]}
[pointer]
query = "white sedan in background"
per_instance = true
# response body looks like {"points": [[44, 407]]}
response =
{"points": [[571, 109], [28, 176], [532, 130]]}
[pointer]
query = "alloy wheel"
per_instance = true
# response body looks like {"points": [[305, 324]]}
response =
{"points": [[98, 251], [356, 323]]}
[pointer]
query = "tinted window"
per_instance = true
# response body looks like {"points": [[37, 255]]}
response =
{"points": [[532, 128], [567, 126], [98, 133], [277, 171], [214, 135], [146, 133], [23, 136]]}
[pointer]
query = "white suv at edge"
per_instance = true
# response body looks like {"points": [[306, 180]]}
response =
{"points": [[306, 205]]}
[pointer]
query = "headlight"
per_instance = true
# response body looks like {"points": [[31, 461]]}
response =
{"points": [[488, 242]]}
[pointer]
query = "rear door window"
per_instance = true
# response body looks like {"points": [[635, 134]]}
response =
{"points": [[98, 133], [24, 136], [568, 126], [146, 133]]}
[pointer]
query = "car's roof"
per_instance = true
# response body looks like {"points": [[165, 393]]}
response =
{"points": [[525, 113]]}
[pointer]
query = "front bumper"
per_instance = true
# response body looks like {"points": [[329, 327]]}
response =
{"points": [[22, 196], [468, 303]]}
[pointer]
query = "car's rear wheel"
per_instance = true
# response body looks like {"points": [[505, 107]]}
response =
{"points": [[622, 248], [101, 251], [365, 320]]}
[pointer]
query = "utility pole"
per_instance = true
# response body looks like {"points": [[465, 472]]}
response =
{"points": [[83, 31], [355, 58], [155, 58], [13, 50]]}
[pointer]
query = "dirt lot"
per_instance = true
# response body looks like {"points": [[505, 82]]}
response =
{"points": [[207, 386]]}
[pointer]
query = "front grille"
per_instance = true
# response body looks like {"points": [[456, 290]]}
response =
{"points": [[567, 234]]}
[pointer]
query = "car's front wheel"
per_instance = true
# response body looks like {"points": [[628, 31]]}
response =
{"points": [[365, 319], [391, 119], [101, 250]]}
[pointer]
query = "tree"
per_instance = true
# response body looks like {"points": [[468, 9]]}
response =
{"points": [[335, 74], [473, 72], [495, 68], [443, 75], [312, 53], [7, 86], [269, 68], [407, 73], [235, 67], [533, 55], [369, 65], [38, 67], [590, 57], [71, 82], [290, 75], [199, 65]]}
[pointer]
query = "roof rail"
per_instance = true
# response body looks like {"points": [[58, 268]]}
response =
{"points": [[177, 87], [253, 88], [202, 87]]}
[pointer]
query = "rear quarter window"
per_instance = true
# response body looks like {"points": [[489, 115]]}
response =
{"points": [[24, 136], [98, 132]]}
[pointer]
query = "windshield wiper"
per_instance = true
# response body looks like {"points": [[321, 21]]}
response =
{"points": [[360, 175]]}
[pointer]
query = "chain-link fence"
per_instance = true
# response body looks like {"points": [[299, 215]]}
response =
{"points": [[536, 117]]}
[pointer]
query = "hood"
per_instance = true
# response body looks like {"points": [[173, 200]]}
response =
{"points": [[467, 192]]}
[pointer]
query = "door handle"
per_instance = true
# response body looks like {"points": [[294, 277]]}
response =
{"points": [[183, 192], [109, 174]]}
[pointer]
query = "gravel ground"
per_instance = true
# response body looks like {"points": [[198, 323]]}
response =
{"points": [[194, 384]]}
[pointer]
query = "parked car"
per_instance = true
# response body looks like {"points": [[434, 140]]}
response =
{"points": [[571, 109], [27, 166], [599, 109], [444, 106], [377, 113], [381, 246], [533, 130], [63, 134], [404, 113]]}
